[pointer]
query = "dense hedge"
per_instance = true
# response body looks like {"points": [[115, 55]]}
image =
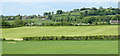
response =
{"points": [[101, 37]]}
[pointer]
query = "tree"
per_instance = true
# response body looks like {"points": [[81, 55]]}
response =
{"points": [[33, 16], [111, 8], [102, 13], [49, 13], [81, 15], [59, 12], [39, 15], [52, 12], [5, 23], [100, 7], [83, 8], [69, 13], [18, 22], [116, 17], [93, 12], [86, 13], [76, 10], [19, 16], [89, 19], [50, 17], [93, 8], [45, 14]]}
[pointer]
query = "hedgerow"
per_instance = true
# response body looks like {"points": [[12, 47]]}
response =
{"points": [[99, 37]]}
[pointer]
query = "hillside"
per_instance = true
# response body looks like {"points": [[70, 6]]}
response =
{"points": [[75, 17]]}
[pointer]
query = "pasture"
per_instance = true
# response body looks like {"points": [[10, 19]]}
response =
{"points": [[20, 32], [60, 47]]}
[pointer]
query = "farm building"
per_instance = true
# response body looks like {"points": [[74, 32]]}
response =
{"points": [[114, 21], [44, 19], [26, 17], [41, 16]]}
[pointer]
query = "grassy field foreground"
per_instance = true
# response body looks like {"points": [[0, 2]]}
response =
{"points": [[59, 31], [60, 47]]}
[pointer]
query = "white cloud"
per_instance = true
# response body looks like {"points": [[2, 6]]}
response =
{"points": [[98, 1]]}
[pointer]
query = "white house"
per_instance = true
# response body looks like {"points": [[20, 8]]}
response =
{"points": [[114, 21]]}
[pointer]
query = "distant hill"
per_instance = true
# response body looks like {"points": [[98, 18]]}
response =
{"points": [[75, 17]]}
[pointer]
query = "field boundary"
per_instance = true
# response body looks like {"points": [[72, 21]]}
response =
{"points": [[97, 37]]}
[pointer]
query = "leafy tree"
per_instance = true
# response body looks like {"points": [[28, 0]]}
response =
{"points": [[18, 22], [81, 15], [83, 8], [89, 19], [86, 13], [52, 12], [100, 7], [93, 12], [45, 14], [49, 13], [76, 10], [39, 15], [116, 17], [50, 17], [5, 23], [69, 14], [59, 12], [102, 13], [93, 8]]}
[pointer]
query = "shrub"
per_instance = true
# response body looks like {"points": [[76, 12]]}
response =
{"points": [[101, 37]]}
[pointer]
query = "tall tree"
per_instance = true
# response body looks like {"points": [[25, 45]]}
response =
{"points": [[18, 22], [49, 13], [100, 7], [93, 8], [4, 23], [45, 14], [52, 12], [59, 12]]}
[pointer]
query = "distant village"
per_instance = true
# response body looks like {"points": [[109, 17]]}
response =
{"points": [[44, 18]]}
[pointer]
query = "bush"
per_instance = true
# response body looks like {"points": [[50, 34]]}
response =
{"points": [[3, 39], [101, 37]]}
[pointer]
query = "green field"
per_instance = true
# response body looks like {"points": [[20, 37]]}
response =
{"points": [[60, 47], [59, 31]]}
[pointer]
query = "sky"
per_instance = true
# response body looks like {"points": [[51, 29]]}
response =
{"points": [[23, 7]]}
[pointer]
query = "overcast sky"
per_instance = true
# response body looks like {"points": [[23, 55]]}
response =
{"points": [[30, 7]]}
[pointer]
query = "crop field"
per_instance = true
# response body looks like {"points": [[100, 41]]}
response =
{"points": [[59, 31], [60, 47]]}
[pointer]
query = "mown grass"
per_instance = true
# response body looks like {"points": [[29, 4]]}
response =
{"points": [[59, 31], [60, 47]]}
